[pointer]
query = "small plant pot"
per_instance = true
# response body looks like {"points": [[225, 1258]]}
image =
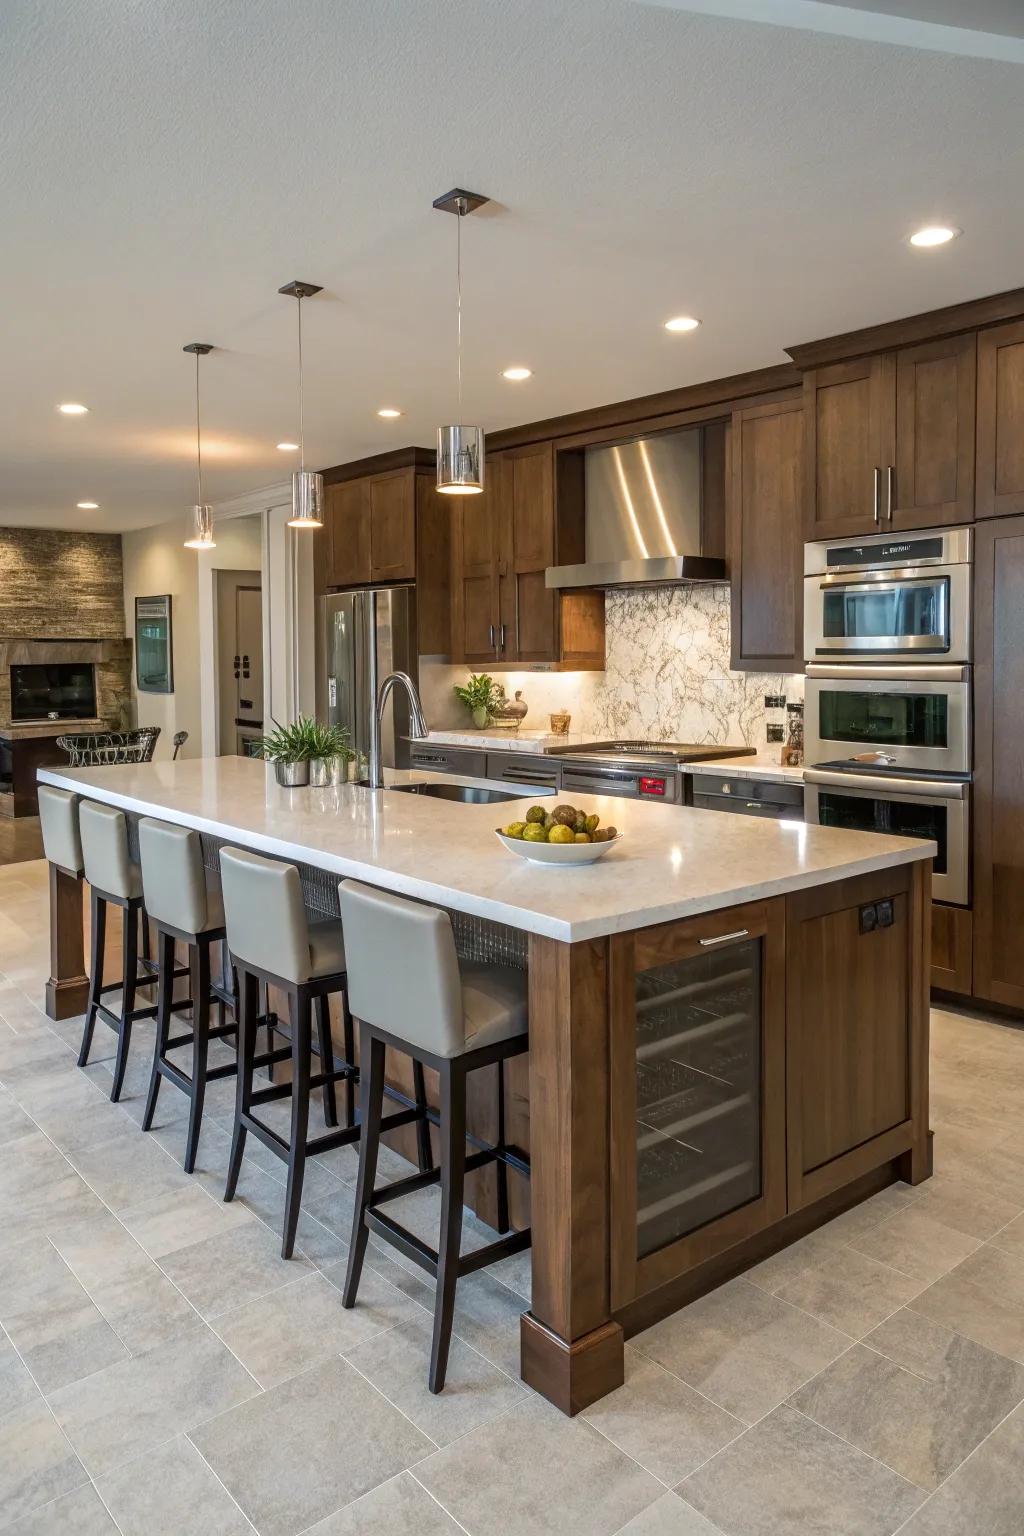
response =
{"points": [[481, 717], [291, 775], [327, 771]]}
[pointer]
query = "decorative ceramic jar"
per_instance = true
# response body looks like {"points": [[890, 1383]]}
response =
{"points": [[506, 713]]}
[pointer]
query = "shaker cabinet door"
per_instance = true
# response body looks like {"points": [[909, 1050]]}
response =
{"points": [[933, 474], [765, 543], [1000, 486], [847, 414]]}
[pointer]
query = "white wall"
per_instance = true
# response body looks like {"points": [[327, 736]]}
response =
{"points": [[252, 534]]}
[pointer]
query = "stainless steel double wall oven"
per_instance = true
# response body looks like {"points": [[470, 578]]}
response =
{"points": [[888, 712]]}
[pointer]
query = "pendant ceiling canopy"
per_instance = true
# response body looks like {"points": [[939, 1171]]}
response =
{"points": [[307, 485], [201, 514], [460, 448]]}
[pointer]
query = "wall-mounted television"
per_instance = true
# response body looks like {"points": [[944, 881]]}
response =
{"points": [[61, 690]]}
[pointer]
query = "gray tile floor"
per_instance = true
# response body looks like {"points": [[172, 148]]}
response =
{"points": [[162, 1371]]}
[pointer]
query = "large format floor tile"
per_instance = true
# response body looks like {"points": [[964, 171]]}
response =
{"points": [[985, 1495], [232, 1267], [50, 1319], [916, 1244], [191, 1498], [402, 1504], [304, 1449], [128, 1169], [130, 1408], [669, 1516], [661, 1422], [850, 1291], [789, 1477], [179, 1219], [80, 1513], [535, 1470], [916, 1396], [743, 1348], [983, 1298], [36, 1462]]}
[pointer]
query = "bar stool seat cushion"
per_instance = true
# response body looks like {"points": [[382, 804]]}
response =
{"points": [[494, 1003], [326, 948]]}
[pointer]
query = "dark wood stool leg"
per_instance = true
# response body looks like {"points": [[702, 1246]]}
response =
{"points": [[200, 1048], [371, 1081], [504, 1225], [165, 990], [248, 1003], [323, 1027], [302, 1042], [98, 924], [423, 1147], [271, 1035], [130, 948], [147, 953], [453, 1173], [350, 1056]]}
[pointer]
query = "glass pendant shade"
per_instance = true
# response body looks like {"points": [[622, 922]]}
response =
{"points": [[460, 460], [201, 535], [307, 499]]}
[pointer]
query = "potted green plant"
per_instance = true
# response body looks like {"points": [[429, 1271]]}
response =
{"points": [[290, 749], [331, 756], [478, 696]]}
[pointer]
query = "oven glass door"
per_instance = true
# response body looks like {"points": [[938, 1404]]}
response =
{"points": [[900, 818], [886, 615], [872, 718]]}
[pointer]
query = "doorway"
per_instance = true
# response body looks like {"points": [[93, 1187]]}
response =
{"points": [[239, 596]]}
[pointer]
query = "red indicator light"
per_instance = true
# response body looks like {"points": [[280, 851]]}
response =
{"points": [[652, 786]]}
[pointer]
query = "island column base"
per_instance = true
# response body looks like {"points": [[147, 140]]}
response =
{"points": [[67, 990], [571, 1375]]}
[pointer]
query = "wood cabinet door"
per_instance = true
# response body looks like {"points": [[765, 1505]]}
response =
{"points": [[393, 526], [933, 468], [476, 556], [952, 944], [530, 630], [1000, 481], [847, 427], [347, 507], [698, 1124], [856, 1028], [765, 537], [999, 761]]}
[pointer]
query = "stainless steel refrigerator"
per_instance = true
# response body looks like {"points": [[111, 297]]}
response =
{"points": [[361, 637]]}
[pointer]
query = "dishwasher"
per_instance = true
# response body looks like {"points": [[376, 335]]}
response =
{"points": [[746, 796]]}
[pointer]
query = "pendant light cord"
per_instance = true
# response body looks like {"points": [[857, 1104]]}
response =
{"points": [[458, 285], [199, 442], [302, 444]]}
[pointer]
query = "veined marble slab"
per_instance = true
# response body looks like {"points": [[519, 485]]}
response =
{"points": [[672, 862], [510, 740]]}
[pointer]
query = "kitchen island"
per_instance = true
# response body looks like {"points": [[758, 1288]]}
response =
{"points": [[728, 1020]]}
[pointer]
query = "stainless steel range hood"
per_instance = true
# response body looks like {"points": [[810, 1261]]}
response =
{"points": [[644, 521]]}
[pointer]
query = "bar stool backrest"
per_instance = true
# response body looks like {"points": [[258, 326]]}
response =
{"points": [[265, 914], [173, 876], [105, 849], [403, 972], [58, 821]]}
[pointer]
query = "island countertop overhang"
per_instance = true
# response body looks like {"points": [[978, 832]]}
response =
{"points": [[673, 861]]}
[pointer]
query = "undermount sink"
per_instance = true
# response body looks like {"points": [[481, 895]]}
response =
{"points": [[468, 794]]}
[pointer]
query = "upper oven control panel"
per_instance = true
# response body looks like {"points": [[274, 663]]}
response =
{"points": [[940, 546]]}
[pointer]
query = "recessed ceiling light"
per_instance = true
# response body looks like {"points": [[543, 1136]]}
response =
{"points": [[682, 323], [70, 408], [517, 373], [388, 412], [288, 447], [87, 506], [934, 234]]}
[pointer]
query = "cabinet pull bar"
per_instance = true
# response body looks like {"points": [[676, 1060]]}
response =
{"points": [[890, 495], [490, 636], [725, 938], [501, 636], [878, 496]]}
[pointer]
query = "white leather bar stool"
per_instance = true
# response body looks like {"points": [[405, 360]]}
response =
{"points": [[114, 880], [184, 904], [271, 941], [409, 991]]}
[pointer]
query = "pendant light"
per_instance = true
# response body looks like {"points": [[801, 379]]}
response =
{"points": [[307, 485], [460, 448], [201, 521]]}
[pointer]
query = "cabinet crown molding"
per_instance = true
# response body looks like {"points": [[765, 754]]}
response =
{"points": [[931, 325]]}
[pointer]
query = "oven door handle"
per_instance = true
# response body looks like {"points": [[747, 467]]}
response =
{"points": [[890, 784], [608, 783], [874, 587]]}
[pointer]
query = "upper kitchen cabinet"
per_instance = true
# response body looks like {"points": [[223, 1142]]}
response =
{"points": [[385, 523], [766, 453], [530, 516], [890, 440], [1001, 421]]}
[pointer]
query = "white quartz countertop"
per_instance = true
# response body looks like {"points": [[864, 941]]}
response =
{"points": [[756, 767], [672, 862]]}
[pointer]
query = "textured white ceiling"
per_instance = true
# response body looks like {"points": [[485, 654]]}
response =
{"points": [[169, 163]]}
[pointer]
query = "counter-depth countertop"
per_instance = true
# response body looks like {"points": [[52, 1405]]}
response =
{"points": [[673, 861], [759, 766]]}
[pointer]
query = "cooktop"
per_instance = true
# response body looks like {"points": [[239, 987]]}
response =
{"points": [[649, 751]]}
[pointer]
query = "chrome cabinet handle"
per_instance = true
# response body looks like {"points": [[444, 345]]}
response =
{"points": [[501, 636], [725, 938], [890, 481], [490, 636], [878, 495]]}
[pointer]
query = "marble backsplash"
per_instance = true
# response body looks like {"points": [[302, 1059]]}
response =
{"points": [[667, 676]]}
